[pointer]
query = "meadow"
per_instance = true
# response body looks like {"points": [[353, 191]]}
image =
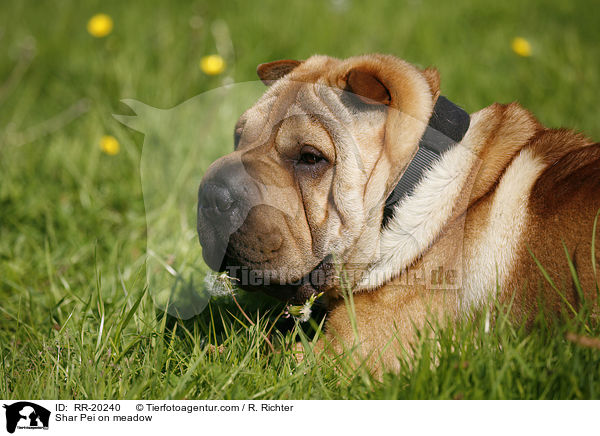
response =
{"points": [[77, 319]]}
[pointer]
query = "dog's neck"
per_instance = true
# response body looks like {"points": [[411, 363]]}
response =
{"points": [[447, 126], [426, 197]]}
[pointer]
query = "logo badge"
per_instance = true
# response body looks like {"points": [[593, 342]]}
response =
{"points": [[26, 415]]}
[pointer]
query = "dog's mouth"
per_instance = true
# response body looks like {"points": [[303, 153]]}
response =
{"points": [[320, 279]]}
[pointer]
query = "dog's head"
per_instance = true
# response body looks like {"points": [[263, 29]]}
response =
{"points": [[314, 160]]}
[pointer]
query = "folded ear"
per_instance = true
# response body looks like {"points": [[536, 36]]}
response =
{"points": [[371, 89], [367, 87], [272, 71], [383, 79], [409, 95]]}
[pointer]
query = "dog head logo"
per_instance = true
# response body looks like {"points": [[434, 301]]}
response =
{"points": [[26, 415], [179, 144]]}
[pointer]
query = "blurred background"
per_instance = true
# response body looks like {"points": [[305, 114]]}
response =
{"points": [[71, 204]]}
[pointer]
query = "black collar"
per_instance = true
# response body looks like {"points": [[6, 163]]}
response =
{"points": [[447, 126]]}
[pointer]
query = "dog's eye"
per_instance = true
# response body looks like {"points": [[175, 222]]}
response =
{"points": [[310, 156]]}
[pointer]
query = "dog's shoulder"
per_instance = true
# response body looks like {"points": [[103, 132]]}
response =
{"points": [[497, 134], [508, 135]]}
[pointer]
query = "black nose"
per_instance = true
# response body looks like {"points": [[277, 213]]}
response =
{"points": [[216, 202], [218, 218], [225, 196]]}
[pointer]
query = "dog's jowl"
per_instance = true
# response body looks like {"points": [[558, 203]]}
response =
{"points": [[358, 176]]}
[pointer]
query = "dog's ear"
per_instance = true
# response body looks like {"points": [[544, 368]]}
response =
{"points": [[379, 79], [409, 94], [433, 79], [272, 71], [366, 86]]}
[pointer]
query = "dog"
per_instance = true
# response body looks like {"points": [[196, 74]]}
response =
{"points": [[357, 178]]}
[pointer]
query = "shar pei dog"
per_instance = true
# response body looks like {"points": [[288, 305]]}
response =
{"points": [[358, 178]]}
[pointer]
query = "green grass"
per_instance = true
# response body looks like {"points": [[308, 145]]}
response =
{"points": [[76, 320]]}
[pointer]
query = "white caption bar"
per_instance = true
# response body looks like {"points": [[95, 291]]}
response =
{"points": [[304, 418]]}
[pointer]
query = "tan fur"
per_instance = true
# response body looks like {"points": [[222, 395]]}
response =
{"points": [[562, 205], [510, 186]]}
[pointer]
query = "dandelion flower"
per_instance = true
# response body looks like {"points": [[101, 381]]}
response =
{"points": [[302, 313], [218, 285], [100, 25], [521, 46], [109, 145], [212, 64]]}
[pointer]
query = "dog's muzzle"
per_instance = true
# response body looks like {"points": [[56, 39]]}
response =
{"points": [[224, 200], [243, 236]]}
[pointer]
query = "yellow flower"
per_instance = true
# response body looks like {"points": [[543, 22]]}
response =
{"points": [[100, 25], [212, 64], [521, 46], [109, 145]]}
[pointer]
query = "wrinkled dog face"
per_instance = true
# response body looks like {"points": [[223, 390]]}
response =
{"points": [[309, 174]]}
